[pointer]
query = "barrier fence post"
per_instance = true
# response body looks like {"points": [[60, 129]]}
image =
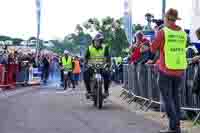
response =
{"points": [[196, 119], [150, 95]]}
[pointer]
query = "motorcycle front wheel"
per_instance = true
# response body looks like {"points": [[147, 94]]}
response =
{"points": [[99, 95]]}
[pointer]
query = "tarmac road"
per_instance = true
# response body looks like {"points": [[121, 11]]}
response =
{"points": [[47, 110]]}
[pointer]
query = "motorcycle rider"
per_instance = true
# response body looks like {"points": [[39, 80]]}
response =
{"points": [[94, 51]]}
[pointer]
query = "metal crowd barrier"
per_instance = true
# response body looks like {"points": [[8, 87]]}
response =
{"points": [[3, 78], [22, 75], [140, 83], [8, 75], [13, 74]]}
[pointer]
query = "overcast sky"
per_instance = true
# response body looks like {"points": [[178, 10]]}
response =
{"points": [[59, 17]]}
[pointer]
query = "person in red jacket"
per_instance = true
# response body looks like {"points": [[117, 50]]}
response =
{"points": [[136, 48], [168, 41]]}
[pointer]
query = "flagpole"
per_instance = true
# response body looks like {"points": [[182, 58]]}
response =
{"points": [[163, 8], [128, 20], [38, 13]]}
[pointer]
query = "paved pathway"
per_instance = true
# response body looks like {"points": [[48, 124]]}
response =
{"points": [[48, 110]]}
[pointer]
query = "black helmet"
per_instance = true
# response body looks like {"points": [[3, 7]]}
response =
{"points": [[99, 36]]}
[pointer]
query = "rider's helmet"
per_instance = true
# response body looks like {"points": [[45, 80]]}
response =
{"points": [[98, 39], [99, 36], [66, 52]]}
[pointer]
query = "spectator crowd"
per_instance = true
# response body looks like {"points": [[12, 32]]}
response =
{"points": [[19, 67]]}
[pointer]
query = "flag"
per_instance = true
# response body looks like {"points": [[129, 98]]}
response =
{"points": [[128, 20]]}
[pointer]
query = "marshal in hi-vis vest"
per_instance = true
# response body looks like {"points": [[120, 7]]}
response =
{"points": [[96, 55], [175, 49], [67, 64]]}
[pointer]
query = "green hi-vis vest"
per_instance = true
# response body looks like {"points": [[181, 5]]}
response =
{"points": [[96, 55], [175, 49], [67, 64]]}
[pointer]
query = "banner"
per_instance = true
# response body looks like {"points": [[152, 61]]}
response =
{"points": [[128, 20]]}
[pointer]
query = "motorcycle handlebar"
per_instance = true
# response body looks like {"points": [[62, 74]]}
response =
{"points": [[104, 66]]}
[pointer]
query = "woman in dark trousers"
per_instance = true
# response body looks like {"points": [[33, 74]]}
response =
{"points": [[45, 69]]}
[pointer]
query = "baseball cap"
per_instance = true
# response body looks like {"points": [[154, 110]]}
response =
{"points": [[172, 14]]}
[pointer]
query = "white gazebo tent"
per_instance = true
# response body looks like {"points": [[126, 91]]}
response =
{"points": [[195, 19]]}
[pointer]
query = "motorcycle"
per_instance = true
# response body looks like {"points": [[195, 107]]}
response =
{"points": [[97, 84]]}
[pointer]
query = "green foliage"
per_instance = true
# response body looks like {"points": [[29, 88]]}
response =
{"points": [[71, 42], [58, 46], [17, 41], [5, 38], [32, 38], [113, 32], [149, 18], [137, 27]]}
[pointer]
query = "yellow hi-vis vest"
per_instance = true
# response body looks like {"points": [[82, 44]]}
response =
{"points": [[175, 49], [96, 55], [67, 64]]}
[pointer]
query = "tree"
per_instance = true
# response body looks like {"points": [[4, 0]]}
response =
{"points": [[71, 42], [112, 30], [119, 43], [75, 42], [32, 38], [17, 41], [12, 41], [58, 46], [149, 18], [79, 29], [5, 38], [137, 27]]}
